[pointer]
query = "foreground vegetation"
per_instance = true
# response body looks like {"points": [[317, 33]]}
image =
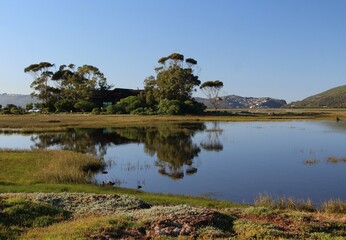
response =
{"points": [[39, 216]]}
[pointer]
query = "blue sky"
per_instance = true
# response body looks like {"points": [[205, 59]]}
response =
{"points": [[288, 49]]}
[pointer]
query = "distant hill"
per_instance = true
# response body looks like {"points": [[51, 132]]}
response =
{"points": [[16, 99], [233, 101], [332, 98]]}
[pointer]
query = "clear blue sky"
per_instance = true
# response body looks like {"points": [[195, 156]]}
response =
{"points": [[286, 49]]}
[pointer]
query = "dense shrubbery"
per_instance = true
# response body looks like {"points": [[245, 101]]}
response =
{"points": [[11, 109]]}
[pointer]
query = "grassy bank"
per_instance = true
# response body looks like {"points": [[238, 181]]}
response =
{"points": [[173, 216], [58, 122], [66, 171]]}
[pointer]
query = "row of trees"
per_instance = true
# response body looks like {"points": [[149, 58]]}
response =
{"points": [[68, 88], [169, 92]]}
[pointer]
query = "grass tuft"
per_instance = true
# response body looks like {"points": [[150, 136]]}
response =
{"points": [[284, 203], [334, 206]]}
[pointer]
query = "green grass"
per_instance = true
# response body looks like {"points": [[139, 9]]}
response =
{"points": [[54, 166], [17, 215], [335, 97], [86, 228]]}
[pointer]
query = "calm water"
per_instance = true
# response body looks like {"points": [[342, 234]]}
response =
{"points": [[233, 161]]}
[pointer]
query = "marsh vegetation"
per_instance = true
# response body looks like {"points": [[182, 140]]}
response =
{"points": [[83, 151]]}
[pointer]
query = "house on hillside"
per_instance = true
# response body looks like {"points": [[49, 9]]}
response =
{"points": [[107, 97]]}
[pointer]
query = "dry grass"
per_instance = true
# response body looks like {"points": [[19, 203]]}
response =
{"points": [[281, 202], [284, 203], [58, 122], [334, 206]]}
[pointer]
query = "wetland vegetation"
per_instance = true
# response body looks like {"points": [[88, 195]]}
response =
{"points": [[102, 214], [25, 171]]}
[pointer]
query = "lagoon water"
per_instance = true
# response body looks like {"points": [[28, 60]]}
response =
{"points": [[224, 160]]}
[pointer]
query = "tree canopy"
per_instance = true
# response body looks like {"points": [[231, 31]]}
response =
{"points": [[82, 89], [173, 85], [66, 89], [211, 89]]}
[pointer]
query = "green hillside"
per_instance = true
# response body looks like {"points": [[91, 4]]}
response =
{"points": [[333, 98]]}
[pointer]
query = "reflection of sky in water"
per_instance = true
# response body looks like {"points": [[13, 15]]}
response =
{"points": [[256, 157], [15, 141]]}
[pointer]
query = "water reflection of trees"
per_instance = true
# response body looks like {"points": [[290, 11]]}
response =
{"points": [[172, 145], [88, 141], [212, 141]]}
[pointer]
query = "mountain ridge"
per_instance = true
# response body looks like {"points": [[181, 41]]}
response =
{"points": [[235, 101], [16, 99], [331, 98]]}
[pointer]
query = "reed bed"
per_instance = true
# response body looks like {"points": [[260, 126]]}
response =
{"points": [[47, 166], [69, 167]]}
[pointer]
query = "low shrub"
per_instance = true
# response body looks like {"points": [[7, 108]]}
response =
{"points": [[17, 214], [96, 111]]}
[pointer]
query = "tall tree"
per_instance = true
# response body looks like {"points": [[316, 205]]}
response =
{"points": [[175, 79], [211, 89], [170, 92], [42, 74]]}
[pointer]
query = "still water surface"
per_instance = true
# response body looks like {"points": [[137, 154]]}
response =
{"points": [[233, 161]]}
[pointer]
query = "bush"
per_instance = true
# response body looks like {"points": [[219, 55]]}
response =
{"points": [[143, 111], [24, 213], [15, 110], [96, 111], [6, 111], [84, 106], [169, 107], [111, 109], [193, 107], [63, 105], [126, 105]]}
